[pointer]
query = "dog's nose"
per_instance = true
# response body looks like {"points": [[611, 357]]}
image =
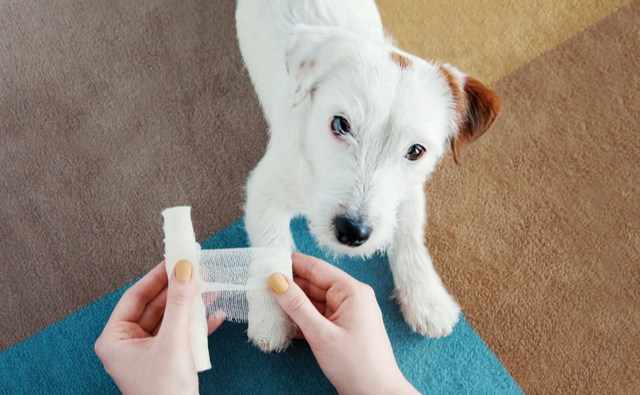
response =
{"points": [[351, 232]]}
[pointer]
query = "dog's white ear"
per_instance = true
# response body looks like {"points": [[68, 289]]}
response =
{"points": [[311, 52], [476, 108]]}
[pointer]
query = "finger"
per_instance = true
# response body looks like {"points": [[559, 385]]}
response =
{"points": [[152, 314], [296, 304], [210, 297], [214, 321], [321, 307], [155, 331], [341, 291], [315, 294], [328, 312], [182, 289], [310, 289], [125, 330], [135, 299], [317, 271]]}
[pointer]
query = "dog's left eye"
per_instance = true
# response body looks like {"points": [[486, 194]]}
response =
{"points": [[415, 152], [340, 126]]}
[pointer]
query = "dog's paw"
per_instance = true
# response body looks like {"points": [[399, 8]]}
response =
{"points": [[271, 333], [432, 312], [270, 342], [271, 345]]}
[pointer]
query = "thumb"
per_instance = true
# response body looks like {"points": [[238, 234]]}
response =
{"points": [[297, 305], [182, 289]]}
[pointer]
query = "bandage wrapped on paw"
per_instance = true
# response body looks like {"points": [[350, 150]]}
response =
{"points": [[225, 279]]}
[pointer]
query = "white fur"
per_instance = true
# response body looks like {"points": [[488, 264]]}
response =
{"points": [[309, 61]]}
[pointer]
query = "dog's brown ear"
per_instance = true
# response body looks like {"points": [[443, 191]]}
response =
{"points": [[476, 106]]}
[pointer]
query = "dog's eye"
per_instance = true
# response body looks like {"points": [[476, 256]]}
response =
{"points": [[415, 152], [340, 126]]}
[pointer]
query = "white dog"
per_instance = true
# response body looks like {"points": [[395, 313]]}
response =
{"points": [[356, 127]]}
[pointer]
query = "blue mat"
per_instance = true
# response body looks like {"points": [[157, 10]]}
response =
{"points": [[61, 360]]}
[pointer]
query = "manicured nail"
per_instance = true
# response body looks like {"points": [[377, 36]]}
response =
{"points": [[278, 283], [183, 270]]}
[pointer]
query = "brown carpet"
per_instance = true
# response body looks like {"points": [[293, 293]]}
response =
{"points": [[111, 111], [538, 234]]}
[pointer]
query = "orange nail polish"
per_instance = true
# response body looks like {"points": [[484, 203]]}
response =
{"points": [[278, 283], [183, 270]]}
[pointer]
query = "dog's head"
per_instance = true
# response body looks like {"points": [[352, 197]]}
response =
{"points": [[378, 121]]}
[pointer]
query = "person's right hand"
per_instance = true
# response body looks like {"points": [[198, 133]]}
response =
{"points": [[340, 318]]}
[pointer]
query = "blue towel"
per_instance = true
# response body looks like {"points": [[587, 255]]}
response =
{"points": [[61, 360]]}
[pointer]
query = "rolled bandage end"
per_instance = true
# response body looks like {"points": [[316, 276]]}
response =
{"points": [[180, 244]]}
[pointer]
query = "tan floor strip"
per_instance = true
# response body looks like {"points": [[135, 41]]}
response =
{"points": [[488, 39]]}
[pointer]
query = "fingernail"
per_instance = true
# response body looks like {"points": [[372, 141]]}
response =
{"points": [[278, 283], [183, 270]]}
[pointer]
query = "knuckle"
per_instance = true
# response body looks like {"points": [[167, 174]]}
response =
{"points": [[101, 350], [297, 303], [179, 299], [98, 347], [366, 292], [128, 294]]}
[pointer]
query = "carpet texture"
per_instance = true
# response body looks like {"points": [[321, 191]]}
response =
{"points": [[111, 111], [488, 39], [61, 359]]}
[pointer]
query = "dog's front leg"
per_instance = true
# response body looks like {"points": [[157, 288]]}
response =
{"points": [[267, 221], [425, 303]]}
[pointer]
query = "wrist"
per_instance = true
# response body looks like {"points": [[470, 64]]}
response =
{"points": [[405, 387], [389, 383], [399, 385]]}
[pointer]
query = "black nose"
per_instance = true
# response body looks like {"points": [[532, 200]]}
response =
{"points": [[351, 232]]}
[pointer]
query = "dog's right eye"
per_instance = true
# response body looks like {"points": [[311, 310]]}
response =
{"points": [[415, 152], [340, 126]]}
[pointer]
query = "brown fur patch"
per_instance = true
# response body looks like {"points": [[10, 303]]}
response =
{"points": [[459, 97], [400, 60], [476, 107]]}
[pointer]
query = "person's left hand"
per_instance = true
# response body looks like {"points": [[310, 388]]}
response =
{"points": [[142, 354]]}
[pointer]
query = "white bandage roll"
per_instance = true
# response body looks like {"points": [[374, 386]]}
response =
{"points": [[223, 279], [180, 243]]}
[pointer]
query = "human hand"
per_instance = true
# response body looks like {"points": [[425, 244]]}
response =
{"points": [[342, 322], [142, 354]]}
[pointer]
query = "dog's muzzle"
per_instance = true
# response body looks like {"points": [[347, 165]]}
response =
{"points": [[351, 232]]}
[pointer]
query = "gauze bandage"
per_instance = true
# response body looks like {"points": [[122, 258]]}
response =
{"points": [[224, 278]]}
